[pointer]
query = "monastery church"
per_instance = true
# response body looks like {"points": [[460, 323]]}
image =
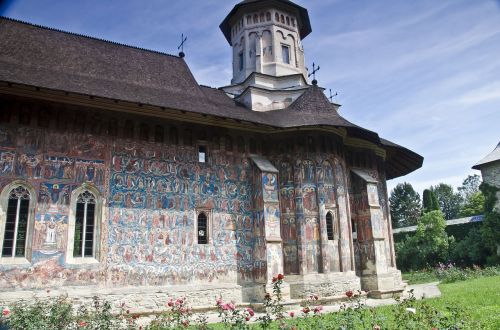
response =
{"points": [[121, 176]]}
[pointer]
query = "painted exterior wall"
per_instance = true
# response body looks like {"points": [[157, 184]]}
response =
{"points": [[262, 222], [491, 175]]}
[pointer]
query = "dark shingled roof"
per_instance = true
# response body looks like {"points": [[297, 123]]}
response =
{"points": [[56, 60], [303, 15]]}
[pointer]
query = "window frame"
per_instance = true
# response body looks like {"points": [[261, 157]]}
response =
{"points": [[208, 214], [241, 61], [287, 47], [98, 216], [205, 153], [4, 202]]}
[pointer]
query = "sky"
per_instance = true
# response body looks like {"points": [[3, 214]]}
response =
{"points": [[424, 74]]}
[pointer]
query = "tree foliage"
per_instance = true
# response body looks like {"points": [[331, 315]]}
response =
{"points": [[470, 186], [449, 201], [405, 205], [490, 229], [428, 246], [474, 205], [430, 202]]}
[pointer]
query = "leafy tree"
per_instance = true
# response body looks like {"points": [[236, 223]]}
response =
{"points": [[405, 205], [490, 230], [428, 246], [470, 186], [430, 202], [474, 205], [449, 201]]}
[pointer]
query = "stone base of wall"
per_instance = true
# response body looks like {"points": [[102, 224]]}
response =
{"points": [[384, 285], [142, 300], [323, 285]]}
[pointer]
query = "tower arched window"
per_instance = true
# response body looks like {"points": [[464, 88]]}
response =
{"points": [[261, 17], [283, 19], [16, 228], [287, 20], [330, 227], [268, 16], [202, 228], [277, 17], [255, 18], [85, 225]]}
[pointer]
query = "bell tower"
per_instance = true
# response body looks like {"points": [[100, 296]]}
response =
{"points": [[265, 36]]}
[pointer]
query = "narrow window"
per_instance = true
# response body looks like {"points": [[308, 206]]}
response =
{"points": [[287, 20], [261, 17], [159, 134], [249, 19], [84, 225], [293, 22], [268, 16], [255, 19], [310, 144], [285, 52], [329, 226], [282, 19], [240, 61], [202, 228], [16, 224], [277, 17], [202, 154]]}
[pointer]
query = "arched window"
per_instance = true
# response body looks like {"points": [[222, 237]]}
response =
{"points": [[16, 229], [282, 19], [249, 19], [255, 18], [268, 16], [277, 17], [329, 226], [293, 22], [287, 20], [261, 17], [85, 225], [202, 227], [159, 134]]}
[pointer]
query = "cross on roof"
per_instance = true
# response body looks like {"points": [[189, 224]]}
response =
{"points": [[332, 95], [313, 73], [181, 46]]}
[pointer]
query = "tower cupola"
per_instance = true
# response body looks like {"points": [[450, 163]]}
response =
{"points": [[266, 36]]}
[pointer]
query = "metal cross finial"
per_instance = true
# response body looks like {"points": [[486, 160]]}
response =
{"points": [[332, 95], [313, 73], [181, 46]]}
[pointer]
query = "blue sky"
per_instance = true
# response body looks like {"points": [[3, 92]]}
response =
{"points": [[424, 74]]}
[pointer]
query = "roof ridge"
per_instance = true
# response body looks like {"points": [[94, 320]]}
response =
{"points": [[85, 36]]}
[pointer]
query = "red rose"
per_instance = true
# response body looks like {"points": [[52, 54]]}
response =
{"points": [[170, 303], [274, 279], [247, 318], [349, 294], [82, 324], [250, 311], [6, 312], [292, 314], [281, 276], [306, 310]]}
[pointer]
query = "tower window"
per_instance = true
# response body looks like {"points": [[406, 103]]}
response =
{"points": [[240, 61], [277, 17], [268, 16], [329, 226], [202, 228], [283, 19], [255, 19], [202, 154], [293, 22], [16, 223], [287, 20], [85, 225], [285, 52]]}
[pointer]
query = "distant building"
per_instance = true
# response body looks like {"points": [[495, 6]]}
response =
{"points": [[490, 170], [120, 175]]}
